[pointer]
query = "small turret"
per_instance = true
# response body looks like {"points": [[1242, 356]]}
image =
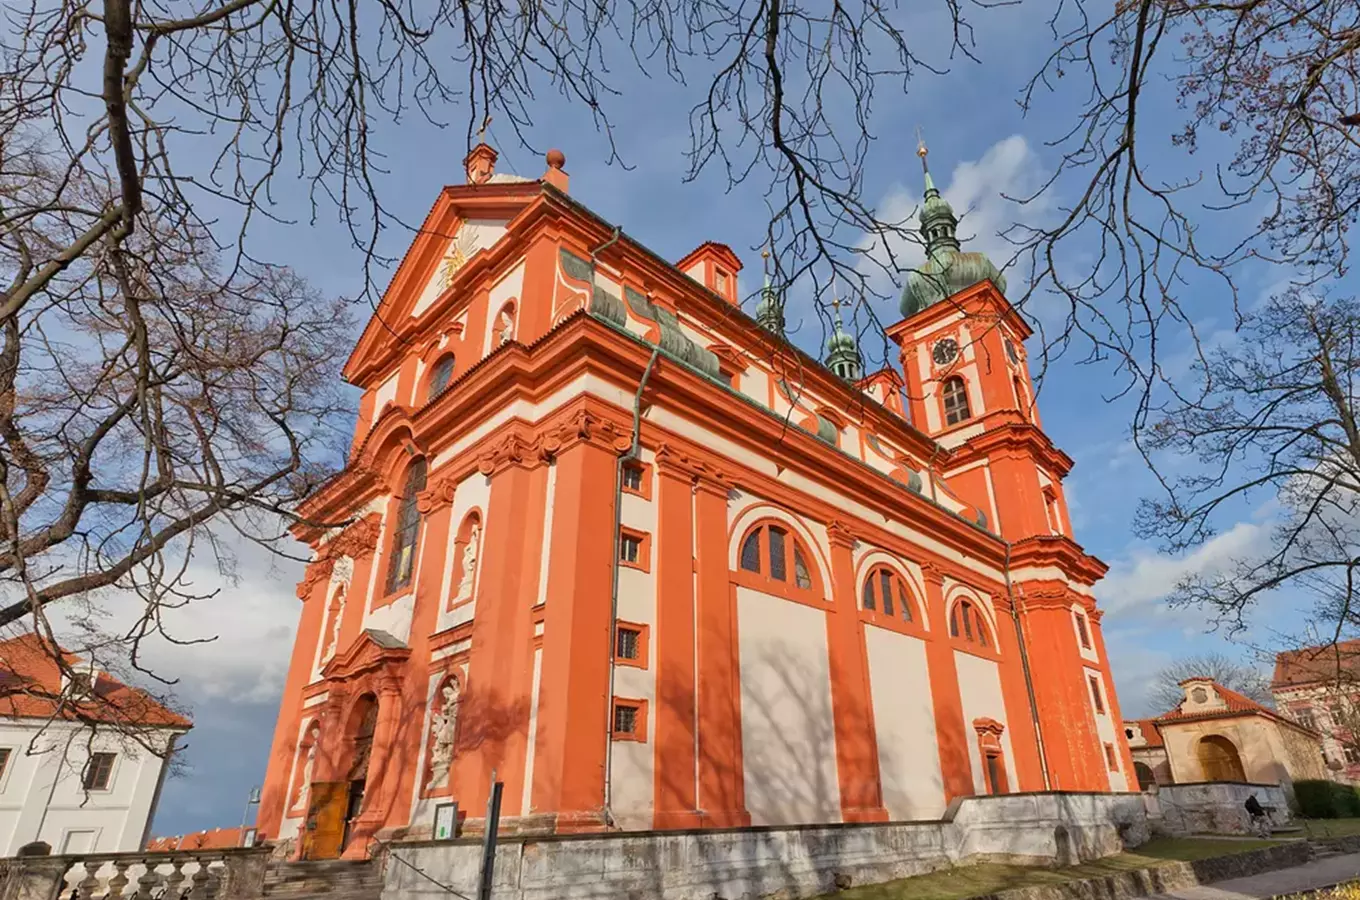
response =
{"points": [[842, 353], [770, 309]]}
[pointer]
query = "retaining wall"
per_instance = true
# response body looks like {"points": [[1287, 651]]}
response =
{"points": [[1214, 807], [1036, 829]]}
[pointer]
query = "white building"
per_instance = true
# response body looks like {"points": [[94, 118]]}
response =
{"points": [[71, 772]]}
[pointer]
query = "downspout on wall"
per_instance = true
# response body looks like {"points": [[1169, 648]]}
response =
{"points": [[1024, 664]]}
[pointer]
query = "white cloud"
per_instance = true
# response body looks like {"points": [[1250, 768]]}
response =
{"points": [[978, 191], [1137, 584], [247, 625]]}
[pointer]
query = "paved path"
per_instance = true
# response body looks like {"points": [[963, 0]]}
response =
{"points": [[1319, 873]]}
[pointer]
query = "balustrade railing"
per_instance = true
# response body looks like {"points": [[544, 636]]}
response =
{"points": [[235, 874]]}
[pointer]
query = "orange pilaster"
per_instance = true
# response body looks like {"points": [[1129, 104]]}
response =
{"points": [[956, 768], [274, 795], [573, 700], [494, 711], [852, 709], [405, 758], [674, 796], [722, 790], [1019, 717], [1075, 758]]}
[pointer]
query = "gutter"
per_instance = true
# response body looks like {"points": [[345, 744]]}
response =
{"points": [[1024, 664]]}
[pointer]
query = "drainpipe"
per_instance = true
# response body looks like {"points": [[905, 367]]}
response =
{"points": [[1024, 664], [632, 453]]}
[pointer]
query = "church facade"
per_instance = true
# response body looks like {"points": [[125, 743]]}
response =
{"points": [[618, 545]]}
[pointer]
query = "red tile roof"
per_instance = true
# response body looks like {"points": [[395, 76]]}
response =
{"points": [[216, 839], [1316, 665], [1151, 734], [31, 688], [1237, 704]]}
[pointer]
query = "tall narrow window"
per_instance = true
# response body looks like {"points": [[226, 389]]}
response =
{"points": [[1111, 757], [956, 401], [750, 551], [778, 565], [1083, 632], [1096, 696], [440, 376], [407, 530]]}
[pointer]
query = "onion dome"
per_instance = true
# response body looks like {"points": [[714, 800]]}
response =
{"points": [[770, 309], [842, 353], [947, 269]]}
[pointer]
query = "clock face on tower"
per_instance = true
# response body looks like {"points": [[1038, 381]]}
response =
{"points": [[944, 351]]}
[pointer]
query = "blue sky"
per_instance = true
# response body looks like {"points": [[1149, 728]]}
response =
{"points": [[981, 148]]}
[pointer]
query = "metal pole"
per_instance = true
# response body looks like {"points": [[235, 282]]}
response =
{"points": [[493, 819]]}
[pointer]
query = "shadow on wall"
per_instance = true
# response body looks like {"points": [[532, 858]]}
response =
{"points": [[788, 746]]}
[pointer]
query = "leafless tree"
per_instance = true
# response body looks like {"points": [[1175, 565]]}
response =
{"points": [[1270, 424], [1166, 693], [1268, 95]]}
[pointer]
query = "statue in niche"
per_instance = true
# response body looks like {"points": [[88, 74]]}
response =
{"points": [[442, 725], [336, 613], [505, 326], [304, 785], [464, 591]]}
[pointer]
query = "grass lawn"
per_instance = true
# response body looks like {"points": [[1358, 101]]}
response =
{"points": [[987, 878], [1330, 827]]}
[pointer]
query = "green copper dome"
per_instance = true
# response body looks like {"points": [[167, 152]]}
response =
{"points": [[842, 353], [947, 269], [770, 308]]}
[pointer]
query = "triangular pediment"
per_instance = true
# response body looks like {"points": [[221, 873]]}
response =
{"points": [[445, 231], [371, 650]]}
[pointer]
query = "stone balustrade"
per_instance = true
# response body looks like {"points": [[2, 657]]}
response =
{"points": [[233, 874]]}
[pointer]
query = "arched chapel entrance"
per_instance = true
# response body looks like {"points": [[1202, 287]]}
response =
{"points": [[1219, 760], [363, 722]]}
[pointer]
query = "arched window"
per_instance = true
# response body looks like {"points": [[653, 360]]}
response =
{"points": [[440, 376], [407, 530], [965, 621], [885, 590], [955, 401], [769, 549]]}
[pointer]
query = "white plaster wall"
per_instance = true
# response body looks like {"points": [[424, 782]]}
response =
{"points": [[632, 766], [1106, 729], [532, 743], [754, 383], [387, 393], [42, 797], [472, 492], [904, 718], [980, 691], [395, 617], [511, 286], [787, 731]]}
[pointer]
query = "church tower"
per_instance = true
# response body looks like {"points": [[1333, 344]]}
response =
{"points": [[968, 387]]}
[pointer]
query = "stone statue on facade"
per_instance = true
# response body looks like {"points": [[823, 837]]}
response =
{"points": [[304, 786], [464, 591], [442, 726]]}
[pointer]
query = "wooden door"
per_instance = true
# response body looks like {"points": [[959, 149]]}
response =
{"points": [[325, 834]]}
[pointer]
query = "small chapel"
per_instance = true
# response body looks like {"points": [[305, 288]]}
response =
{"points": [[611, 541]]}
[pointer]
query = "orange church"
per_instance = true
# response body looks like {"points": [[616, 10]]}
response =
{"points": [[618, 544]]}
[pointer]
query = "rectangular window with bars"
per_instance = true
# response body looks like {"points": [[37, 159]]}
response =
{"points": [[627, 644], [99, 771], [629, 720]]}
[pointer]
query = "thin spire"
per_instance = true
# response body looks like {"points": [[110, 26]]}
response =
{"points": [[922, 151]]}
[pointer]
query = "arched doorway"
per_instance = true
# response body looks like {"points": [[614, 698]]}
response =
{"points": [[1146, 778], [1218, 759], [363, 721]]}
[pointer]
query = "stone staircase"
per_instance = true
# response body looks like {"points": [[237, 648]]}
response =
{"points": [[334, 879]]}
